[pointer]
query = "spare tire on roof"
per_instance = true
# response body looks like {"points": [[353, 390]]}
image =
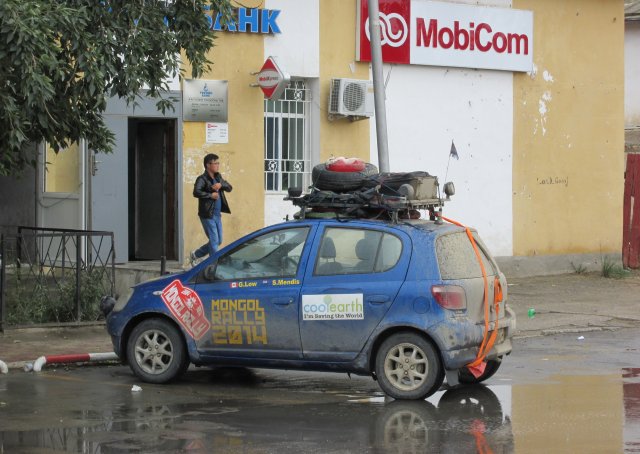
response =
{"points": [[326, 178]]}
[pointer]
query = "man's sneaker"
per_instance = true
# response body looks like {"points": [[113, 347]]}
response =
{"points": [[192, 258]]}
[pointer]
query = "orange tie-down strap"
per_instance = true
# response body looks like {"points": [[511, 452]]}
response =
{"points": [[476, 367]]}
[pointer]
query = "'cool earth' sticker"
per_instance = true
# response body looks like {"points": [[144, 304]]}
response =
{"points": [[333, 307]]}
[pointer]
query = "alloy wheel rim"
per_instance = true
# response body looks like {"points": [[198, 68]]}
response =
{"points": [[406, 366], [153, 352]]}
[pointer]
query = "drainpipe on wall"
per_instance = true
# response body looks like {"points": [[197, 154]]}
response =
{"points": [[378, 86]]}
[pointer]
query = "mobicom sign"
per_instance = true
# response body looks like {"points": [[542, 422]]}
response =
{"points": [[421, 32]]}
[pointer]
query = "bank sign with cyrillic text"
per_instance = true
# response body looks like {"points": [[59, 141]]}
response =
{"points": [[421, 32]]}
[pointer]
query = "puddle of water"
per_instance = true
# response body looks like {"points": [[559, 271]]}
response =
{"points": [[564, 414]]}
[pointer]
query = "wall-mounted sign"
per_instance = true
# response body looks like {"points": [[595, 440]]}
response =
{"points": [[272, 80], [217, 132], [205, 100], [250, 20], [422, 32]]}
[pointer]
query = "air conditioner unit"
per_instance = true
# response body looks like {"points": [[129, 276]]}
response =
{"points": [[351, 98]]}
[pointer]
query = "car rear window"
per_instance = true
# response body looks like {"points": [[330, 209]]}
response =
{"points": [[457, 259]]}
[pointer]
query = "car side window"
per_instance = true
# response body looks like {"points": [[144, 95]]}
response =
{"points": [[356, 251], [274, 254]]}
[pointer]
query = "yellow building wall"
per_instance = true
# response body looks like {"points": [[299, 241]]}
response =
{"points": [[340, 137], [235, 57], [569, 130]]}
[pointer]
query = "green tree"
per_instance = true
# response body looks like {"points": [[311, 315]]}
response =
{"points": [[60, 60]]}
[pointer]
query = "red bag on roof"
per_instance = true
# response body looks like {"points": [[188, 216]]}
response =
{"points": [[343, 164]]}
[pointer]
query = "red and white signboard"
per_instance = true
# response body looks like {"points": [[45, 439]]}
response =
{"points": [[422, 32], [272, 80]]}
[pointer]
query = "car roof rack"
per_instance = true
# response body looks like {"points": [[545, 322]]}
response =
{"points": [[388, 196]]}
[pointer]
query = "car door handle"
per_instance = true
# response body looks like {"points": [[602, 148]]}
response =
{"points": [[378, 299], [282, 301]]}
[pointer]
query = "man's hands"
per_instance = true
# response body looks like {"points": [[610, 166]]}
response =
{"points": [[215, 188]]}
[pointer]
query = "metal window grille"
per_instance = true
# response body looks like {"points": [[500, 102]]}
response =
{"points": [[287, 161]]}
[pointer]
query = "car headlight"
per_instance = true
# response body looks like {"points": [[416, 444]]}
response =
{"points": [[122, 301]]}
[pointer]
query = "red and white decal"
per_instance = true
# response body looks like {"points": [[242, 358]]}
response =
{"points": [[186, 306], [423, 32]]}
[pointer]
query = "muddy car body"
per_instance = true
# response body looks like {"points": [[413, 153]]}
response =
{"points": [[403, 302]]}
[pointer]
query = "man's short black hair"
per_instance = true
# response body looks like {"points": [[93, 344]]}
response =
{"points": [[210, 157]]}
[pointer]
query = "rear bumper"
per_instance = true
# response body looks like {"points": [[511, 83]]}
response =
{"points": [[459, 345]]}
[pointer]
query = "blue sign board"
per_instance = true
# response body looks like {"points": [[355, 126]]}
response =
{"points": [[250, 20]]}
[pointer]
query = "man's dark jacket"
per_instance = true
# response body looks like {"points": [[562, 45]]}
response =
{"points": [[202, 191]]}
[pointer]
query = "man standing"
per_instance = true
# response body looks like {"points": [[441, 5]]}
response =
{"points": [[210, 189]]}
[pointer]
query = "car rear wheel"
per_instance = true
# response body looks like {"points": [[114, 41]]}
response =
{"points": [[408, 367], [467, 378], [156, 351]]}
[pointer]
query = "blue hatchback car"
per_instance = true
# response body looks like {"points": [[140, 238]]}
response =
{"points": [[404, 302]]}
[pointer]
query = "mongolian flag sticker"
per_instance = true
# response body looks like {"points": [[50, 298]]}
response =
{"points": [[185, 305]]}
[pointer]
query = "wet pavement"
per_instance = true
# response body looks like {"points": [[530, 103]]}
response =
{"points": [[554, 394]]}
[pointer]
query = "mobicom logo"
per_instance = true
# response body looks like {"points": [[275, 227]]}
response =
{"points": [[394, 31], [449, 34], [481, 38], [390, 35]]}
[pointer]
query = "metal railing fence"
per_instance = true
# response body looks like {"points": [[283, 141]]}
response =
{"points": [[54, 275]]}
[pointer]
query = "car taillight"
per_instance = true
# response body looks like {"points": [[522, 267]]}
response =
{"points": [[450, 296]]}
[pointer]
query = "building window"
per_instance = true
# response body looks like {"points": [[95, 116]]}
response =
{"points": [[287, 161]]}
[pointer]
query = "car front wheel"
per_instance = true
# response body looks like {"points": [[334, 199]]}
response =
{"points": [[156, 351], [408, 367]]}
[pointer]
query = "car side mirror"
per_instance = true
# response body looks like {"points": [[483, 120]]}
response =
{"points": [[210, 272]]}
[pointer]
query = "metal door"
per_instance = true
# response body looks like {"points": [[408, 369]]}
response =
{"points": [[61, 201], [110, 188], [341, 303], [631, 213], [253, 299]]}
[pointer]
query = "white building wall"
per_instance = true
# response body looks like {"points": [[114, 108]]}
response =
{"points": [[427, 109], [297, 50], [298, 46], [632, 74]]}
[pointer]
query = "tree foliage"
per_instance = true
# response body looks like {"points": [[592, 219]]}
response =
{"points": [[60, 60]]}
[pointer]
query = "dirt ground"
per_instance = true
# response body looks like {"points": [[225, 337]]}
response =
{"points": [[579, 302]]}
